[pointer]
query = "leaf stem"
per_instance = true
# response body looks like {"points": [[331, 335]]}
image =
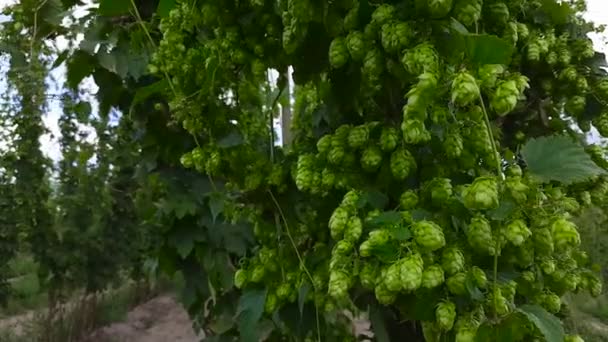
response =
{"points": [[295, 248]]}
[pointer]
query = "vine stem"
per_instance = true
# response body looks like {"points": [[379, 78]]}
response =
{"points": [[489, 128], [295, 248]]}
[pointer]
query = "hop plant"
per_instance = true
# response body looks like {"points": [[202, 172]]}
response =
{"points": [[420, 59], [240, 278], [368, 275], [354, 229], [338, 285], [355, 42], [479, 235], [392, 277], [467, 12], [456, 283], [389, 139], [338, 53], [358, 137], [414, 131], [564, 233], [411, 272], [551, 302], [517, 232], [383, 14], [338, 222], [505, 97], [324, 144], [428, 235], [402, 163], [408, 200], [452, 260], [440, 190], [482, 194], [371, 158], [439, 8], [395, 36], [488, 75], [479, 277], [432, 276], [464, 89], [445, 314], [453, 144], [499, 12]]}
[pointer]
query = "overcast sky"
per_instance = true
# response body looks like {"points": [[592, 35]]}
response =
{"points": [[597, 12]]}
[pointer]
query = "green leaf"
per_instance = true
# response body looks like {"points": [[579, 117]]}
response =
{"points": [[378, 325], [304, 289], [374, 198], [164, 7], [60, 59], [144, 93], [549, 325], [79, 66], [250, 310], [114, 7], [401, 233], [554, 12], [216, 204], [558, 158], [504, 210], [457, 26], [387, 218], [487, 49]]}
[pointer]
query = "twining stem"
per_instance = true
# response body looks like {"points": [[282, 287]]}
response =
{"points": [[295, 248], [493, 142]]}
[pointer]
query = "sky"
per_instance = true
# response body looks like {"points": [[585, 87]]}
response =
{"points": [[597, 12]]}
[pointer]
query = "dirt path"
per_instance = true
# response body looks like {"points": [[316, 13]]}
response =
{"points": [[161, 319]]}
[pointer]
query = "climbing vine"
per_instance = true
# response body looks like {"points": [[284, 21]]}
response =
{"points": [[433, 177]]}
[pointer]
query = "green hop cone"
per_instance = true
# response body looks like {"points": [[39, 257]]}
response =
{"points": [[568, 74], [601, 123], [505, 97], [439, 190], [389, 139], [428, 235], [576, 105], [414, 131], [517, 232], [467, 12], [498, 303], [402, 163], [383, 14], [420, 59], [358, 137], [338, 53], [240, 278], [373, 63], [284, 291], [339, 284], [354, 229], [257, 274], [479, 235], [573, 338], [368, 275], [432, 276], [602, 88], [595, 286], [271, 304], [324, 144], [488, 75], [328, 178], [453, 144], [445, 314], [522, 31], [551, 302], [338, 222], [408, 200], [565, 233], [479, 277], [439, 8], [384, 295], [452, 260], [343, 247], [499, 12], [464, 89], [411, 272], [392, 277], [371, 158], [533, 52], [351, 198], [336, 155], [543, 241], [355, 42], [395, 36], [186, 160], [456, 283], [517, 189], [482, 194]]}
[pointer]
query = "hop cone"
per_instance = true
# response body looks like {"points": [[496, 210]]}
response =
{"points": [[428, 235], [482, 194], [445, 314], [432, 276], [338, 53]]}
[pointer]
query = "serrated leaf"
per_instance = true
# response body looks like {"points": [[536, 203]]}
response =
{"points": [[375, 198], [504, 210], [216, 205], [378, 325], [304, 289], [249, 312], [548, 325], [114, 7], [400, 233], [79, 66], [487, 49], [558, 158], [387, 218], [164, 7], [421, 215]]}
